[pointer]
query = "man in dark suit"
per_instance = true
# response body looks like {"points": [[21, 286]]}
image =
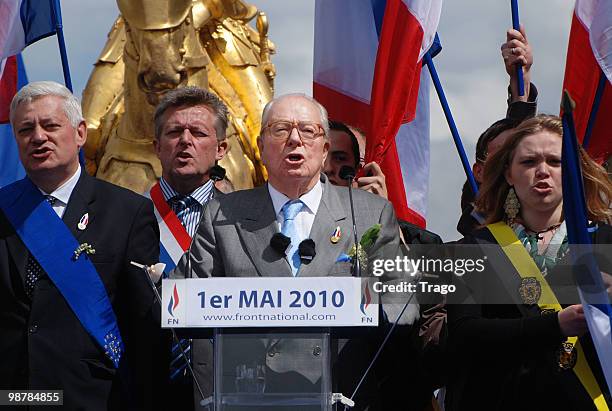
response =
{"points": [[75, 315], [235, 233]]}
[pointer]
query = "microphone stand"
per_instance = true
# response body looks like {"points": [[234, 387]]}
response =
{"points": [[203, 402], [348, 173]]}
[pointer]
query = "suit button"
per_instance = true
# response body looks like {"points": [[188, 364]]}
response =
{"points": [[271, 353], [33, 328], [316, 350]]}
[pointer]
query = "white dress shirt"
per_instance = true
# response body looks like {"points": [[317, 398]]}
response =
{"points": [[304, 219], [62, 193]]}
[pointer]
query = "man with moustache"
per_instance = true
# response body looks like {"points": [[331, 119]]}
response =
{"points": [[75, 315]]}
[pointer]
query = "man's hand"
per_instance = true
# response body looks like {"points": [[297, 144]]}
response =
{"points": [[374, 180], [572, 321], [517, 51]]}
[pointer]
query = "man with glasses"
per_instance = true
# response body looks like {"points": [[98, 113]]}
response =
{"points": [[235, 236]]}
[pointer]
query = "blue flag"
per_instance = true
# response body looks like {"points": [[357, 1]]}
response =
{"points": [[593, 295]]}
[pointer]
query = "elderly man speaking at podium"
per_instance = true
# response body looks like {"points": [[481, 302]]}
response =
{"points": [[297, 224]]}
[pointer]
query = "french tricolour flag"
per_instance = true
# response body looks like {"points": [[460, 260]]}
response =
{"points": [[367, 73], [22, 22], [588, 75]]}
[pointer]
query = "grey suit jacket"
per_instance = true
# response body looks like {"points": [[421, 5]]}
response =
{"points": [[233, 240]]}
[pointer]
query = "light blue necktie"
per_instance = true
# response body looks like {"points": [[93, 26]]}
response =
{"points": [[290, 210]]}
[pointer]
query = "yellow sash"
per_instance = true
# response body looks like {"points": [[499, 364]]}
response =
{"points": [[526, 267]]}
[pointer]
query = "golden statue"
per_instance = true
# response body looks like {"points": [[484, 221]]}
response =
{"points": [[158, 45]]}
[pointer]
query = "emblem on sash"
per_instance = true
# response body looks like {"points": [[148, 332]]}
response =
{"points": [[567, 356], [530, 290]]}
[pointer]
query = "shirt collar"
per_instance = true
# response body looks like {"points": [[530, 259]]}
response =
{"points": [[312, 199], [201, 194], [63, 192]]}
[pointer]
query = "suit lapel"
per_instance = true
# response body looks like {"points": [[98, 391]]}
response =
{"points": [[330, 215], [256, 229], [80, 203]]}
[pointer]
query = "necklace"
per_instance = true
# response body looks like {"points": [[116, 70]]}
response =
{"points": [[539, 235]]}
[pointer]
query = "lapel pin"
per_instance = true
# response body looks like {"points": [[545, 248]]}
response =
{"points": [[83, 248], [82, 225], [336, 235]]}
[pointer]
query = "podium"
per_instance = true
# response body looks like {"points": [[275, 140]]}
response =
{"points": [[272, 337], [257, 371]]}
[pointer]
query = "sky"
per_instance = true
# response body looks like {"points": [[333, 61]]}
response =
{"points": [[470, 68]]}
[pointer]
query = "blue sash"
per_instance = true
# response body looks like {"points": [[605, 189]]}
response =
{"points": [[53, 245]]}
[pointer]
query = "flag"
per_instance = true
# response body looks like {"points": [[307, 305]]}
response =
{"points": [[593, 295], [22, 22], [367, 69], [588, 75], [10, 169]]}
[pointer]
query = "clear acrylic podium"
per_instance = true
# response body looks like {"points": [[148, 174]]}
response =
{"points": [[286, 370]]}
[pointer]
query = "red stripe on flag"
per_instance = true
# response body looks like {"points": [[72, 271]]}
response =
{"points": [[581, 80], [396, 78], [341, 107], [8, 87], [171, 220], [394, 97]]}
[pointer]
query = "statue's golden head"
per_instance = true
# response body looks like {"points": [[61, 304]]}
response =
{"points": [[162, 46]]}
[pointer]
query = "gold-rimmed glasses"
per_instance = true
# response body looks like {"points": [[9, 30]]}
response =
{"points": [[307, 130]]}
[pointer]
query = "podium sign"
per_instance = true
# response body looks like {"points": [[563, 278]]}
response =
{"points": [[268, 302]]}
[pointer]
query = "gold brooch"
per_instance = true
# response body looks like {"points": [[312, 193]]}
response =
{"points": [[530, 290], [83, 248]]}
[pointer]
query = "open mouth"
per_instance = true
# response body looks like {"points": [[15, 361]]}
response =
{"points": [[294, 158], [41, 152], [542, 188], [184, 155]]}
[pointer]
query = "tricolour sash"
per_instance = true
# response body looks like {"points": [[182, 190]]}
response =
{"points": [[53, 245], [174, 239], [527, 269]]}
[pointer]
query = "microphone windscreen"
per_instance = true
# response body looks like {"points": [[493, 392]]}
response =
{"points": [[217, 173], [279, 242], [347, 172], [307, 250]]}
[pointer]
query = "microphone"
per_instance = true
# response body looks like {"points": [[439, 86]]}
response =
{"points": [[217, 173], [306, 249], [279, 242], [348, 173]]}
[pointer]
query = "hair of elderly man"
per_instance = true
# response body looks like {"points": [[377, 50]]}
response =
{"points": [[322, 111], [37, 89], [192, 96]]}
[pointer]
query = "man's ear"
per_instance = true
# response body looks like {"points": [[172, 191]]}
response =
{"points": [[156, 146], [221, 149], [81, 136]]}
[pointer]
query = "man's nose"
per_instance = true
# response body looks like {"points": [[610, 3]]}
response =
{"points": [[38, 134], [185, 137], [294, 137]]}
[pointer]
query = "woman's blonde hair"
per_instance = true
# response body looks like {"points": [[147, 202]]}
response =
{"points": [[493, 191]]}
